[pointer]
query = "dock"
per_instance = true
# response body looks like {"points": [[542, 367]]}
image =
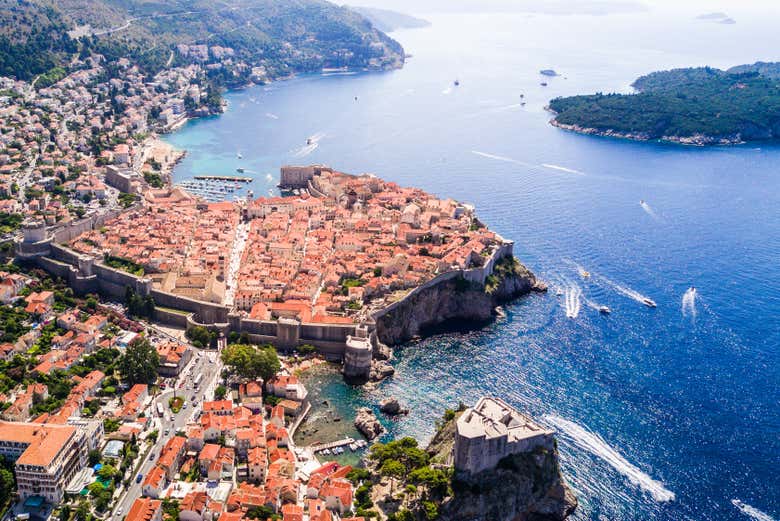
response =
{"points": [[229, 178], [332, 445]]}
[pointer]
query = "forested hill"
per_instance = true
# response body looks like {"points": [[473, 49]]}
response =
{"points": [[282, 36], [692, 106]]}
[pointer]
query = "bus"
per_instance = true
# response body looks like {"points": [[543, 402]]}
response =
{"points": [[198, 379], [159, 410]]}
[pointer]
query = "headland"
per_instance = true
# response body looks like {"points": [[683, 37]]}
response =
{"points": [[349, 264]]}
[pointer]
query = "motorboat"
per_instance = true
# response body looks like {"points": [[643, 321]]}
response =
{"points": [[648, 302], [584, 273], [457, 82], [604, 310], [543, 84], [240, 170]]}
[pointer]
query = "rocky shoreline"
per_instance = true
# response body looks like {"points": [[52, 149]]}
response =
{"points": [[694, 140], [456, 302]]}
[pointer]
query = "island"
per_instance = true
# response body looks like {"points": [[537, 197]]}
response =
{"points": [[695, 106]]}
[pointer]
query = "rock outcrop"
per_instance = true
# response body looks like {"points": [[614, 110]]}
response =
{"points": [[368, 424], [456, 299], [523, 487], [392, 407]]}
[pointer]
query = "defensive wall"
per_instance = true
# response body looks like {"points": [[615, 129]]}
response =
{"points": [[349, 342], [476, 275]]}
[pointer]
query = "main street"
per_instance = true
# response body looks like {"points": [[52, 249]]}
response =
{"points": [[204, 362]]}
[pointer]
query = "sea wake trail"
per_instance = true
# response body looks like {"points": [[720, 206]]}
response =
{"points": [[562, 169], [594, 444], [751, 511], [689, 303]]}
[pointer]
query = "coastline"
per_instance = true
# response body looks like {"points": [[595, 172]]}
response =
{"points": [[698, 140]]}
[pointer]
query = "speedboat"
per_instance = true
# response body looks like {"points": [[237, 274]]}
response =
{"points": [[604, 310], [308, 141], [240, 170], [585, 274], [648, 302], [559, 292], [239, 155], [457, 82], [543, 84]]}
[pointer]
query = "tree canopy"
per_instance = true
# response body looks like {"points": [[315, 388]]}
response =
{"points": [[741, 103], [139, 362], [251, 362]]}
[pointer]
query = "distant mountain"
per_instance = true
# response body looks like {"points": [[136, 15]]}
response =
{"points": [[283, 36], [388, 21]]}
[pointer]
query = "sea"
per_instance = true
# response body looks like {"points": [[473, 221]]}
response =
{"points": [[669, 413]]}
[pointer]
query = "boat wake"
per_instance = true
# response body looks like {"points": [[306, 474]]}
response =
{"points": [[306, 150], [315, 138], [500, 158], [689, 303], [594, 444], [648, 210], [751, 511], [628, 292], [562, 169], [572, 301], [271, 116]]}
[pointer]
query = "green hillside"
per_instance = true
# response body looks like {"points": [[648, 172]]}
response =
{"points": [[698, 105], [284, 36]]}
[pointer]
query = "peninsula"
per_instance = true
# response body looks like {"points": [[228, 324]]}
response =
{"points": [[347, 264], [695, 106]]}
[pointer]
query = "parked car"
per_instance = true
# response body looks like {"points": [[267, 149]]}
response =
{"points": [[138, 478]]}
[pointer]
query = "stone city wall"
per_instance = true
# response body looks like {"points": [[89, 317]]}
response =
{"points": [[475, 275]]}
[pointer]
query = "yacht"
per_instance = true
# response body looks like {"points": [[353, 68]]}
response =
{"points": [[648, 302]]}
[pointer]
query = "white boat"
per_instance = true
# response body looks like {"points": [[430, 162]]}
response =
{"points": [[649, 302], [604, 310]]}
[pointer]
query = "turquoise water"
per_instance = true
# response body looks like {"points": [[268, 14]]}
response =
{"points": [[647, 402]]}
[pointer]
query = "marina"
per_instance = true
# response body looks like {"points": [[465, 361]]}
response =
{"points": [[229, 178], [211, 189], [337, 447]]}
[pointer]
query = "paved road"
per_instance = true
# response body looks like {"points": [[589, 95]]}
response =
{"points": [[207, 364]]}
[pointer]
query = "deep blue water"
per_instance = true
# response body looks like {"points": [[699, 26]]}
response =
{"points": [[680, 403]]}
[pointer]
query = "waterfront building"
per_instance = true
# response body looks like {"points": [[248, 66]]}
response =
{"points": [[493, 430]]}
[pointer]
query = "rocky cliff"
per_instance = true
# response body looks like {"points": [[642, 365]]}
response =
{"points": [[456, 300], [528, 487]]}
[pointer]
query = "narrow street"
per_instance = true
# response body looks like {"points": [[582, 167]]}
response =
{"points": [[231, 275]]}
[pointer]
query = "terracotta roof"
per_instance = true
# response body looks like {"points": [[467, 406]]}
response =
{"points": [[44, 441]]}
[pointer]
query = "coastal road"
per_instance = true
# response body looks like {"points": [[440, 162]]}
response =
{"points": [[205, 362]]}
